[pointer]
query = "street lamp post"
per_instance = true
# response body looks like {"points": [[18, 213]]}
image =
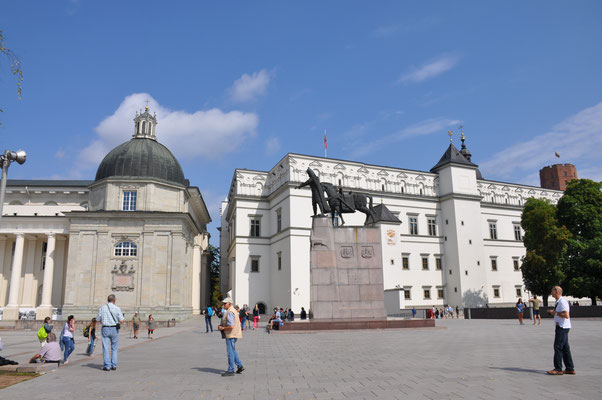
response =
{"points": [[5, 160]]}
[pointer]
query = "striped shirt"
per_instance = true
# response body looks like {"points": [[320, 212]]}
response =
{"points": [[105, 317]]}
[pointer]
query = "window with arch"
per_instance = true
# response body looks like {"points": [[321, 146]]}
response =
{"points": [[143, 126], [125, 249]]}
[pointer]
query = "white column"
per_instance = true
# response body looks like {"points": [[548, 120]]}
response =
{"points": [[196, 279], [48, 272], [11, 311]]}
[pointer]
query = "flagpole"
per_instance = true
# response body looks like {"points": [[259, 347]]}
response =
{"points": [[325, 145]]}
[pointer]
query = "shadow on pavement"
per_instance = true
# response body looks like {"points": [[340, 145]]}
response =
{"points": [[211, 370], [93, 366], [515, 369]]}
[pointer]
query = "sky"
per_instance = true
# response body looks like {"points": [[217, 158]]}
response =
{"points": [[239, 84]]}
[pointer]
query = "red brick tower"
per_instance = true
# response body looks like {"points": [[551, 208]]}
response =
{"points": [[557, 176]]}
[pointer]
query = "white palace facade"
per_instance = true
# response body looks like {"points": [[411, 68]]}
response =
{"points": [[139, 230], [459, 243]]}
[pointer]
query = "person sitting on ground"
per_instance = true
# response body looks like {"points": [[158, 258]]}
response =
{"points": [[51, 353]]}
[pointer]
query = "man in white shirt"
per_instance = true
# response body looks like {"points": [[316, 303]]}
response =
{"points": [[562, 322]]}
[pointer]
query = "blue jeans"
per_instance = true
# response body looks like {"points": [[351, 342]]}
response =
{"points": [[232, 355], [562, 350], [243, 323], [91, 346], [69, 346], [110, 337], [208, 324]]}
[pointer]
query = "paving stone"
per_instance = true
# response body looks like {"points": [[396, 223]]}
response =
{"points": [[470, 359]]}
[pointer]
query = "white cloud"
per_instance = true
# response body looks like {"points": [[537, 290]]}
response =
{"points": [[272, 145], [422, 128], [429, 70], [578, 140], [207, 133], [248, 88]]}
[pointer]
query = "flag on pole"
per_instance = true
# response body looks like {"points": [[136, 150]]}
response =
{"points": [[325, 143]]}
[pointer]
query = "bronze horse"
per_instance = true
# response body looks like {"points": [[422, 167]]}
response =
{"points": [[347, 203]]}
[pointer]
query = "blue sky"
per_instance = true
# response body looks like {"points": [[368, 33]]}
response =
{"points": [[239, 84]]}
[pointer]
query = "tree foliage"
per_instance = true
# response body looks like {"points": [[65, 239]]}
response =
{"points": [[15, 64], [214, 272], [546, 244], [580, 210]]}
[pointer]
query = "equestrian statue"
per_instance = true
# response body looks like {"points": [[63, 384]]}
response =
{"points": [[336, 201]]}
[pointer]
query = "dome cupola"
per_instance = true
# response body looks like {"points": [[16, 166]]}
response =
{"points": [[142, 157]]}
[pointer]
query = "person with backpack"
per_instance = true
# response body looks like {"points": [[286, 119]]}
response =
{"points": [[111, 317], [90, 333], [208, 315], [44, 331]]}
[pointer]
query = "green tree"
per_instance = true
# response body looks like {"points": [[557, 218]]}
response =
{"points": [[214, 272], [580, 210], [15, 64], [546, 243]]}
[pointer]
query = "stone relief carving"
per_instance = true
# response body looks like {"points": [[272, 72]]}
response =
{"points": [[367, 251], [347, 252], [123, 278]]}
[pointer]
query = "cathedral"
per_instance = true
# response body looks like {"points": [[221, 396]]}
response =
{"points": [[138, 230]]}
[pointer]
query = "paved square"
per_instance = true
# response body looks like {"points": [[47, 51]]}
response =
{"points": [[464, 359]]}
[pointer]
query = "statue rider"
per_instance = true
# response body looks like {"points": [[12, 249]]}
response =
{"points": [[317, 193]]}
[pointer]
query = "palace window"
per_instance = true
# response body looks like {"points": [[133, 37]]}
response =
{"points": [[413, 224], [425, 263], [129, 201], [496, 291], [427, 294], [493, 230], [255, 227], [440, 293], [405, 261], [515, 263], [438, 263], [519, 291], [407, 293], [279, 261], [517, 233], [255, 264], [494, 264], [432, 227], [278, 220], [125, 249]]}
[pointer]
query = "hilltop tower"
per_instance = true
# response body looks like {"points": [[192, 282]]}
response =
{"points": [[557, 176]]}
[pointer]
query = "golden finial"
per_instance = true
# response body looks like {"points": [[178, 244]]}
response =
{"points": [[450, 133], [146, 108]]}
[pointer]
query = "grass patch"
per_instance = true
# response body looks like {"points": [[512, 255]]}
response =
{"points": [[8, 378]]}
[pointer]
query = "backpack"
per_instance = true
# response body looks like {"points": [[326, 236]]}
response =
{"points": [[86, 331], [42, 334], [209, 311]]}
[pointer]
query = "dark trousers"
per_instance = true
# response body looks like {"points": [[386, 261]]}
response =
{"points": [[562, 350], [208, 324]]}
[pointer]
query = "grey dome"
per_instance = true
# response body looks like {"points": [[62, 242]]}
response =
{"points": [[141, 158]]}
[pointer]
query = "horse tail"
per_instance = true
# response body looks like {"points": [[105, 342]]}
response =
{"points": [[371, 203]]}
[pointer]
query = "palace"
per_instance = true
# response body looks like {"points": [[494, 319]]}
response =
{"points": [[139, 230], [459, 243]]}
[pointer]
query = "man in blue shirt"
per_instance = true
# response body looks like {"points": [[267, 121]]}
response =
{"points": [[110, 316]]}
